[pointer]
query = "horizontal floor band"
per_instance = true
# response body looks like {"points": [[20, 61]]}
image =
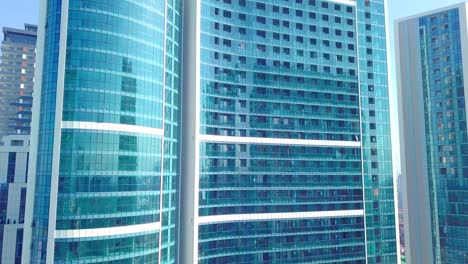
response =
{"points": [[212, 219], [279, 141], [112, 127], [344, 2], [108, 231]]}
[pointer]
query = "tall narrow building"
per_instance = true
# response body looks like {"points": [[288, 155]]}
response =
{"points": [[104, 146], [287, 150], [17, 79], [14, 156], [432, 56]]}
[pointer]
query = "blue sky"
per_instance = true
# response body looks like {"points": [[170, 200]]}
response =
{"points": [[14, 13]]}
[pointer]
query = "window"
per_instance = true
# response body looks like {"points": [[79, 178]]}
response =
{"points": [[226, 14], [11, 167], [261, 20], [17, 143], [226, 28], [261, 62]]}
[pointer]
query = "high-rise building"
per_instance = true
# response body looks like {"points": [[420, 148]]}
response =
{"points": [[286, 153], [16, 79], [432, 56], [14, 155], [286, 147], [104, 144]]}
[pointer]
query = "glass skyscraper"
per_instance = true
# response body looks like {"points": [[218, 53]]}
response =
{"points": [[105, 133], [287, 152], [432, 52], [283, 115]]}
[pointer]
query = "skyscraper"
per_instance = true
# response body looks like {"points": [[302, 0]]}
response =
{"points": [[286, 151], [286, 147], [104, 150], [16, 79], [432, 52]]}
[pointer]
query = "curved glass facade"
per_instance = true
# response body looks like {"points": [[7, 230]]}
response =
{"points": [[40, 222], [118, 167]]}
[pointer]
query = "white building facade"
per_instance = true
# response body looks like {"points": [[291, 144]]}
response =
{"points": [[14, 155]]}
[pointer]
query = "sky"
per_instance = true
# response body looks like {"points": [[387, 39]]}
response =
{"points": [[14, 13]]}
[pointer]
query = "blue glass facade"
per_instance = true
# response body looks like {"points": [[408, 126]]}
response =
{"points": [[446, 130], [118, 142], [376, 137], [293, 141], [172, 115], [40, 222], [297, 74]]}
